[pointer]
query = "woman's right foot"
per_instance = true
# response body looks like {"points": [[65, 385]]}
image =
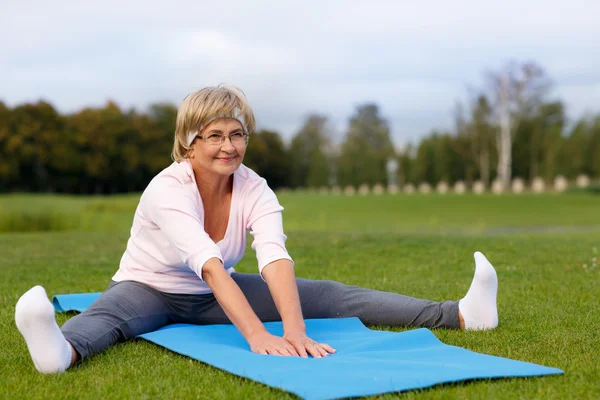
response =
{"points": [[34, 314], [478, 307]]}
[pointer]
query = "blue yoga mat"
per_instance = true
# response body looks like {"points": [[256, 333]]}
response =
{"points": [[367, 362]]}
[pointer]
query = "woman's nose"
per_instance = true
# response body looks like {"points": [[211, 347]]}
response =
{"points": [[227, 145]]}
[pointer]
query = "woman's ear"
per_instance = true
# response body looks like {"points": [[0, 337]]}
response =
{"points": [[191, 153]]}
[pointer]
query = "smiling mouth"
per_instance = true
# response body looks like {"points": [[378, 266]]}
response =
{"points": [[225, 159]]}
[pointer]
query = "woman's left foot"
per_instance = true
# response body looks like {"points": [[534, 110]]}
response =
{"points": [[478, 307]]}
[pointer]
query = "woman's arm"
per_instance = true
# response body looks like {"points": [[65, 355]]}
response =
{"points": [[238, 310], [281, 280], [231, 299], [277, 269]]}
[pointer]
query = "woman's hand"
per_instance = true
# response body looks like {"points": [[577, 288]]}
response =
{"points": [[280, 278], [305, 345], [265, 343]]}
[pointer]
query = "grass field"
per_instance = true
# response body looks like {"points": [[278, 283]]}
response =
{"points": [[546, 249]]}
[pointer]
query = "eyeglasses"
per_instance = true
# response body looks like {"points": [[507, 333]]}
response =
{"points": [[236, 138]]}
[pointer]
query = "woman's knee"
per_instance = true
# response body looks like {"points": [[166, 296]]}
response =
{"points": [[130, 305], [124, 311], [323, 299]]}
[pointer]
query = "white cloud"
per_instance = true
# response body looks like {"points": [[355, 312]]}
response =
{"points": [[413, 59]]}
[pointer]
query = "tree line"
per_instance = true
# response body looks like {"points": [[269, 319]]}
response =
{"points": [[508, 128]]}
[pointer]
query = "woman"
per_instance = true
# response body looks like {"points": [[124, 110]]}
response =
{"points": [[188, 232]]}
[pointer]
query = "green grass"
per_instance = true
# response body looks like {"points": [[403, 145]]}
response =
{"points": [[548, 300], [439, 213], [467, 214]]}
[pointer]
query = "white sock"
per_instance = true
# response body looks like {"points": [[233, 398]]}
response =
{"points": [[478, 307], [34, 315]]}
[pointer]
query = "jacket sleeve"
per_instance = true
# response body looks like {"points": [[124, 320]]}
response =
{"points": [[173, 208], [266, 225]]}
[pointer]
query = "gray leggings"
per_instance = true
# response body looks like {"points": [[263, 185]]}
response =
{"points": [[129, 308]]}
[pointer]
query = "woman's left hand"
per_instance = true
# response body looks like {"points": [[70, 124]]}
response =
{"points": [[305, 345]]}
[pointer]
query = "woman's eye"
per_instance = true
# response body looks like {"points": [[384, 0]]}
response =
{"points": [[237, 134]]}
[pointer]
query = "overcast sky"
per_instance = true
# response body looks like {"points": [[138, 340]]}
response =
{"points": [[414, 59]]}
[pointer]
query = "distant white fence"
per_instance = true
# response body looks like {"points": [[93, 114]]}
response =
{"points": [[517, 186]]}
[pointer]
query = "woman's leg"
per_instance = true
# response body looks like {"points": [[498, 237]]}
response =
{"points": [[329, 299], [124, 310]]}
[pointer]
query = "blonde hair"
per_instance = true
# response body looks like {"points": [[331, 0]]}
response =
{"points": [[203, 106]]}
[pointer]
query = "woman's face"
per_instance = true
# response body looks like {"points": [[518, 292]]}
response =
{"points": [[219, 158]]}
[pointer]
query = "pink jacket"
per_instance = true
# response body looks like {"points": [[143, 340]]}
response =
{"points": [[168, 245]]}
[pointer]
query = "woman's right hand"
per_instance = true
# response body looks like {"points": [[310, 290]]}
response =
{"points": [[265, 343]]}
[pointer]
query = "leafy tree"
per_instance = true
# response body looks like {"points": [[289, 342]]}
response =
{"points": [[424, 160], [482, 133], [466, 143], [158, 142], [436, 159], [36, 140], [593, 150], [580, 153], [267, 156], [153, 135], [518, 90], [97, 134], [307, 153], [546, 141], [572, 155], [366, 148], [406, 165], [164, 115], [9, 164]]}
